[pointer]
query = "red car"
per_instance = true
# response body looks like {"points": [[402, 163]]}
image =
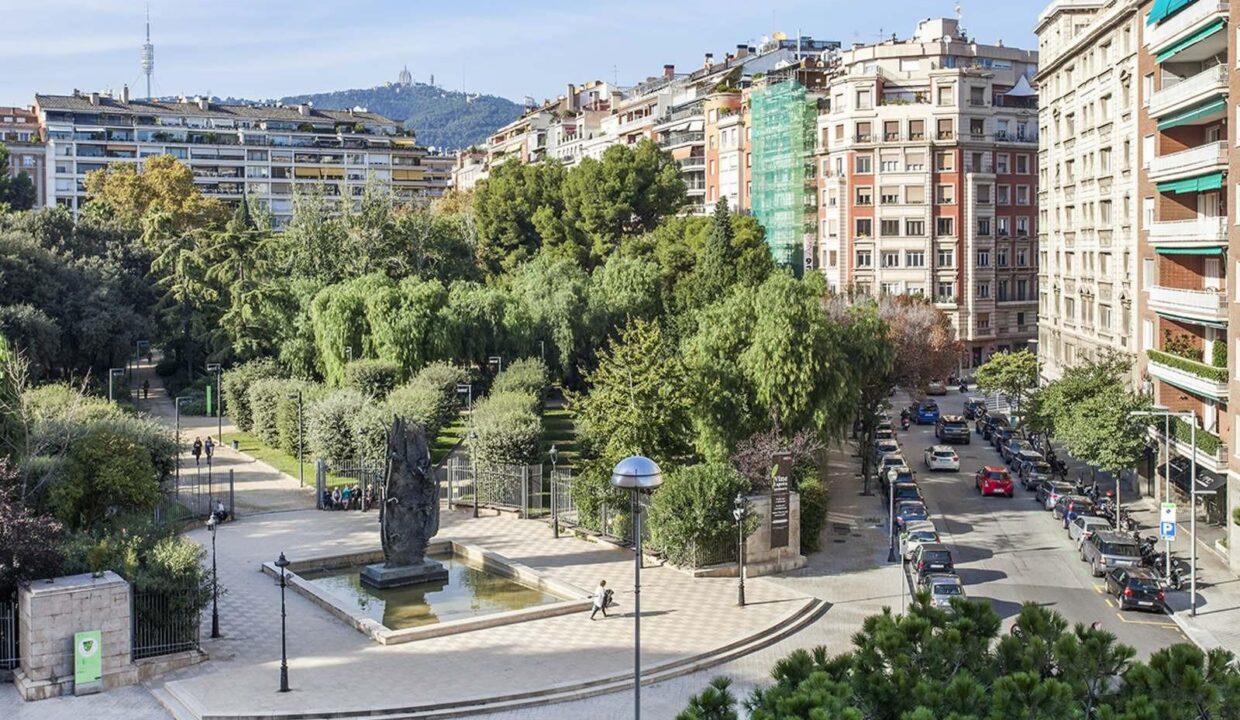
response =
{"points": [[994, 480]]}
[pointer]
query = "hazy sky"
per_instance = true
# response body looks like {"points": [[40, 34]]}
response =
{"points": [[269, 48]]}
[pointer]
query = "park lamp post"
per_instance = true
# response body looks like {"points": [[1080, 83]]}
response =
{"points": [[177, 402], [473, 469], [739, 511], [498, 362], [554, 454], [892, 555], [137, 350], [637, 474], [282, 563], [301, 450], [212, 522], [467, 389], [112, 373], [219, 404], [1191, 418]]}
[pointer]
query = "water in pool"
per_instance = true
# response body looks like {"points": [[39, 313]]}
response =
{"points": [[468, 592]]}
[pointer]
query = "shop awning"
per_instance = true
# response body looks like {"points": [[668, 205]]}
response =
{"points": [[1197, 113], [1220, 324], [1191, 40], [1181, 470], [1164, 9], [1214, 250], [1202, 183]]}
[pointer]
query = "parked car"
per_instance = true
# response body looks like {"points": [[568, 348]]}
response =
{"points": [[1000, 437], [1013, 447], [916, 533], [1136, 589], [884, 434], [1082, 526], [974, 407], [931, 558], [936, 388], [952, 428], [907, 491], [884, 423], [909, 510], [943, 587], [1051, 490], [885, 447], [994, 480], [992, 422], [1033, 472], [941, 457], [1068, 507], [887, 462], [897, 474], [1106, 549], [927, 413]]}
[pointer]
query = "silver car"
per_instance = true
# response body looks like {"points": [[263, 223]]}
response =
{"points": [[942, 588], [914, 534], [1082, 526]]}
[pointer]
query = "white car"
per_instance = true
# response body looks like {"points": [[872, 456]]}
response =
{"points": [[914, 534], [941, 457]]}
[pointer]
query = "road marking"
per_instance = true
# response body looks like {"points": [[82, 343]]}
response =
{"points": [[1123, 619]]}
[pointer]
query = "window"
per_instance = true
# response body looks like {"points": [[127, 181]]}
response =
{"points": [[889, 195], [983, 194], [977, 96], [944, 161], [947, 257], [1022, 163], [865, 227], [946, 95], [915, 289], [891, 130], [1104, 161], [914, 161], [864, 100], [1022, 257], [1003, 227], [889, 161], [945, 129], [1022, 194], [977, 128], [1022, 227], [865, 195], [983, 226], [944, 226], [983, 258], [890, 288], [1147, 89], [833, 257], [1147, 336], [891, 259], [1001, 257], [1020, 319], [914, 258], [1001, 163], [1104, 212], [983, 321], [1104, 317], [864, 259], [945, 194], [1147, 273], [1003, 195], [983, 291], [916, 129], [915, 228], [889, 228], [1147, 151], [914, 194], [946, 293], [863, 132], [1003, 291], [864, 164]]}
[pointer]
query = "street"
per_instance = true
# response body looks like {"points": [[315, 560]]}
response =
{"points": [[1010, 551]]}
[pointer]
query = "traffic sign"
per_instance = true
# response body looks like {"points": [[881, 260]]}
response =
{"points": [[1166, 530], [1167, 512]]}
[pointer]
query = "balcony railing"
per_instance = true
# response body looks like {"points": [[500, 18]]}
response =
{"points": [[1189, 91], [681, 138], [1202, 304], [1187, 163], [1203, 229], [1179, 26], [1190, 375], [691, 163]]}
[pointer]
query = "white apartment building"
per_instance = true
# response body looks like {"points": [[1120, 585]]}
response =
{"points": [[266, 153], [1088, 189]]}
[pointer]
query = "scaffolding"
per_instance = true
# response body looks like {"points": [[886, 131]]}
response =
{"points": [[782, 119]]}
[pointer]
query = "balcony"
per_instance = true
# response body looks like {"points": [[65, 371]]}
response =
{"points": [[1189, 92], [1209, 305], [1211, 450], [694, 162], [676, 139], [1198, 378], [1201, 231], [1183, 24], [1200, 160]]}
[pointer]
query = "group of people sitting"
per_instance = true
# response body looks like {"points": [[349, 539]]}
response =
{"points": [[348, 498]]}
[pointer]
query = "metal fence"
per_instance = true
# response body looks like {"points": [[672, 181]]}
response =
{"points": [[195, 492], [10, 654], [511, 487], [163, 623], [360, 485]]}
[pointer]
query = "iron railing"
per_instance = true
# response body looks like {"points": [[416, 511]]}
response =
{"points": [[362, 479], [164, 623], [513, 487], [10, 652]]}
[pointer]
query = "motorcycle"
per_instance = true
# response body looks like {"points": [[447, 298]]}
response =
{"points": [[904, 423], [964, 387]]}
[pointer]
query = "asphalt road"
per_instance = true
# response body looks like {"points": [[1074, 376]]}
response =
{"points": [[1010, 551]]}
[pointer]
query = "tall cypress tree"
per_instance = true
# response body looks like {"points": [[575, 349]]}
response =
{"points": [[716, 270]]}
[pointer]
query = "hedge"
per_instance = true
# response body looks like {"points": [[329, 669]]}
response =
{"points": [[527, 375], [813, 507], [265, 397], [329, 425], [376, 378], [369, 429], [286, 414], [1192, 367], [430, 398], [235, 387], [507, 430], [693, 509], [1207, 442]]}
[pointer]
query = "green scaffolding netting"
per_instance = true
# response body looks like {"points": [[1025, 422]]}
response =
{"points": [[782, 122]]}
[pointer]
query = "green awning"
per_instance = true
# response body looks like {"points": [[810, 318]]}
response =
{"points": [[1191, 40], [1202, 183], [1218, 324], [1164, 9], [1216, 250], [1189, 116]]}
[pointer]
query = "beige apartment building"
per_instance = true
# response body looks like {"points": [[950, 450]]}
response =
{"points": [[19, 133], [1088, 181]]}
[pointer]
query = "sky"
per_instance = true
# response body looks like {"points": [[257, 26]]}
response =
{"points": [[261, 49]]}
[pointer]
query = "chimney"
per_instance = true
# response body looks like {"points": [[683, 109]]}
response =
{"points": [[203, 103], [94, 98], [570, 97], [741, 50], [125, 94], [710, 60], [303, 109], [669, 71]]}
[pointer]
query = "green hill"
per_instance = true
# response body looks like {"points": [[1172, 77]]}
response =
{"points": [[442, 118]]}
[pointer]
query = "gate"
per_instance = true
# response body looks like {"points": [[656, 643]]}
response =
{"points": [[10, 654], [163, 623], [520, 488], [363, 481]]}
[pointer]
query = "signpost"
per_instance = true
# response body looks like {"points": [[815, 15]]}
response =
{"points": [[87, 662], [781, 478], [1166, 529]]}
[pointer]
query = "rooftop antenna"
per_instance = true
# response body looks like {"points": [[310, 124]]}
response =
{"points": [[148, 54]]}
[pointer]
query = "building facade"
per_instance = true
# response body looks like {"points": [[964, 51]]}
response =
{"points": [[1088, 181], [19, 132], [265, 153], [927, 152]]}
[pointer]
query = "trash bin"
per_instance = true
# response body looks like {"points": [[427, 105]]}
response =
{"points": [[236, 444]]}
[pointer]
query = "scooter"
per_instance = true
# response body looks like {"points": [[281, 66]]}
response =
{"points": [[904, 422], [964, 387]]}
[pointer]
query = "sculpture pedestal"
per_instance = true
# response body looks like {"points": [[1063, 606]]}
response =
{"points": [[381, 576]]}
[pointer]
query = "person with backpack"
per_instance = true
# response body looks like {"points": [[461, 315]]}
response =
{"points": [[602, 599]]}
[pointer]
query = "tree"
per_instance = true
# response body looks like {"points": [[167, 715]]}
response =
{"points": [[1011, 374], [17, 193], [506, 204], [29, 541], [1100, 431], [716, 702], [870, 347], [1048, 408], [165, 185], [716, 269], [923, 345], [108, 470]]}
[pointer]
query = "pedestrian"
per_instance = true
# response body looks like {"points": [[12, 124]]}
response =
{"points": [[1095, 625], [209, 446], [146, 389], [336, 499], [221, 513], [602, 598], [197, 449]]}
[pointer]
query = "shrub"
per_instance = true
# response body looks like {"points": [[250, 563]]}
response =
{"points": [[235, 387], [527, 375], [29, 542], [107, 470], [369, 429], [508, 430], [265, 397], [375, 378], [1219, 354], [693, 510], [166, 367], [62, 402], [286, 414], [153, 558], [430, 398], [813, 507], [329, 421]]}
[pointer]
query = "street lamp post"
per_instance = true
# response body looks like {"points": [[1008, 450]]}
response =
{"points": [[739, 511], [301, 450], [112, 373], [212, 522], [473, 469], [637, 474], [467, 389], [177, 402], [554, 454], [282, 563], [498, 362], [219, 404], [891, 524]]}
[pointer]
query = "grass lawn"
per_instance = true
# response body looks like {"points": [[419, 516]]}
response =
{"points": [[280, 460], [449, 436], [558, 429]]}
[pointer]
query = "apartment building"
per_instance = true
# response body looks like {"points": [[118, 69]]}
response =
{"points": [[1088, 181], [1187, 97], [267, 153], [927, 180], [19, 132]]}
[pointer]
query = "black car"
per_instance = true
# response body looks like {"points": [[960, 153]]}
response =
{"points": [[1001, 435], [993, 422], [907, 491], [931, 558], [952, 428], [1136, 589], [974, 408]]}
